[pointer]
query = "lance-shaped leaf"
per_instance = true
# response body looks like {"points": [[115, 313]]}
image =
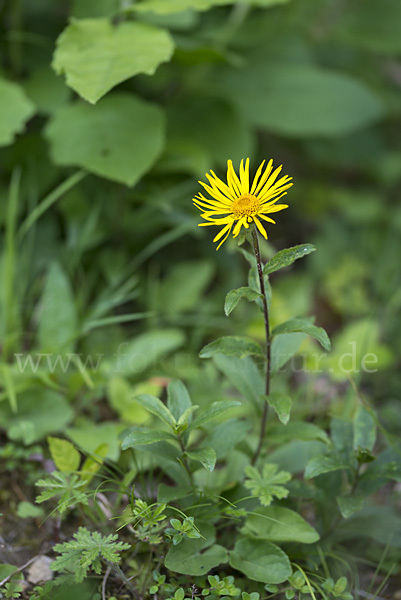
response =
{"points": [[96, 55], [281, 404], [156, 407], [143, 437], [215, 411], [286, 257], [234, 296], [206, 456], [231, 345], [300, 325], [323, 464]]}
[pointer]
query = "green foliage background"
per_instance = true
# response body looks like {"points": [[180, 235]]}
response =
{"points": [[109, 113]]}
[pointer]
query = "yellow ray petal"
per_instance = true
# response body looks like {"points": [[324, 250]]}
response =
{"points": [[223, 187], [215, 193], [244, 176], [261, 216], [272, 208], [238, 226], [260, 226], [222, 232], [274, 190], [263, 178], [232, 179], [225, 237], [270, 181]]}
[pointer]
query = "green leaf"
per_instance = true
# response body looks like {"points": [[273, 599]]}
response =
{"points": [[178, 399], [156, 407], [285, 258], [234, 296], [184, 286], [268, 484], [364, 429], [296, 430], [304, 326], [215, 411], [40, 413], [174, 6], [119, 139], [244, 375], [194, 556], [260, 561], [279, 524], [231, 345], [282, 93], [284, 346], [121, 398], [87, 435], [142, 437], [206, 456], [225, 436], [281, 404], [349, 505], [65, 456], [27, 510], [323, 464], [145, 350], [58, 323], [96, 55], [15, 110], [372, 26]]}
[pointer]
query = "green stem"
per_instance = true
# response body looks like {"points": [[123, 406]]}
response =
{"points": [[185, 462], [265, 413]]}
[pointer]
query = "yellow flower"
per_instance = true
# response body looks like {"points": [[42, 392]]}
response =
{"points": [[235, 204]]}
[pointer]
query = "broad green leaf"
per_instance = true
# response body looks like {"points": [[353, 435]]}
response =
{"points": [[349, 505], [119, 139], [284, 346], [243, 374], [372, 26], [27, 510], [184, 286], [296, 430], [58, 321], [260, 561], [145, 350], [217, 131], [375, 523], [96, 55], [212, 413], [304, 326], [15, 110], [267, 485], [65, 456], [294, 456], [175, 6], [364, 429], [87, 435], [187, 559], [94, 8], [178, 399], [323, 464], [281, 405], [225, 436], [234, 296], [156, 407], [206, 456], [40, 412], [195, 556], [279, 524], [47, 91], [285, 258], [302, 100], [122, 399], [231, 345], [142, 437], [167, 493]]}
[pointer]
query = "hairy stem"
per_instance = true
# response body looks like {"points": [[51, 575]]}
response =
{"points": [[265, 413]]}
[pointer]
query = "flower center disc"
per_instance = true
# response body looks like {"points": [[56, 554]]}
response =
{"points": [[245, 205]]}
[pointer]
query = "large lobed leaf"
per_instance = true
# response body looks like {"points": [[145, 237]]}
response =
{"points": [[96, 55]]}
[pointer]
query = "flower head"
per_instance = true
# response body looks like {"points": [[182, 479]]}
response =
{"points": [[235, 204]]}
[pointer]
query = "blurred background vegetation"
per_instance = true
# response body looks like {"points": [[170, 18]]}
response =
{"points": [[110, 111]]}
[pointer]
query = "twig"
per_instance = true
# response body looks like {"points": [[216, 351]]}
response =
{"points": [[104, 582], [17, 571]]}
